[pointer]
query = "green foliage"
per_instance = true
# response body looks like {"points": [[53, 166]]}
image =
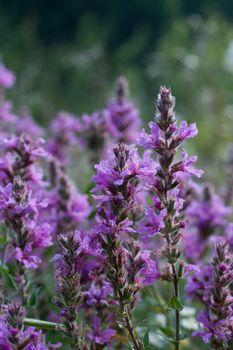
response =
{"points": [[175, 304]]}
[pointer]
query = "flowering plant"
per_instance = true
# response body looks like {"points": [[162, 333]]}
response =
{"points": [[78, 267]]}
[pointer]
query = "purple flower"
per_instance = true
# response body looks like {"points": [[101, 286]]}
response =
{"points": [[13, 333], [7, 78], [24, 257], [93, 132], [6, 114], [19, 210], [150, 272], [68, 208], [214, 331], [153, 224], [152, 140], [200, 283], [123, 121], [186, 167], [208, 212], [98, 293], [26, 124], [185, 131], [98, 335], [64, 134]]}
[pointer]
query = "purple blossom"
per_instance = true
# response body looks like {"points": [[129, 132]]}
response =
{"points": [[123, 121], [24, 257], [152, 140], [68, 209], [6, 114], [186, 167], [214, 331], [64, 135], [19, 210], [21, 155], [26, 124], [7, 78], [216, 295], [150, 272], [98, 335], [153, 223], [93, 133], [98, 293], [13, 333], [185, 131], [208, 212]]}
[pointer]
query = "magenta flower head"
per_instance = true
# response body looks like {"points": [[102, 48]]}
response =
{"points": [[69, 262], [14, 335], [68, 209], [7, 78], [26, 124], [217, 298], [169, 174], [19, 210], [207, 215], [165, 216], [21, 157], [64, 135], [98, 335], [93, 133], [123, 121], [117, 185]]}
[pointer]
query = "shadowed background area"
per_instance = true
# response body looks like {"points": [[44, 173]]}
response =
{"points": [[67, 55]]}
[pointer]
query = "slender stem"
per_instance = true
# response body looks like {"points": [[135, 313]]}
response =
{"points": [[177, 312], [128, 321], [46, 325], [132, 333]]}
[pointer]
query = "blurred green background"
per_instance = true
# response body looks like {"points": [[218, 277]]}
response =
{"points": [[67, 55]]}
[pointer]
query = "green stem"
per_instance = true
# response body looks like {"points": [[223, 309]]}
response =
{"points": [[177, 312], [46, 325]]}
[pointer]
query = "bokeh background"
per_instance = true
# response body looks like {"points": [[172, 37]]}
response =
{"points": [[67, 54]]}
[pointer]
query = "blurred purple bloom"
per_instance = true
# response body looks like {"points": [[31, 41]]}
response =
{"points": [[123, 121], [98, 335], [7, 78]]}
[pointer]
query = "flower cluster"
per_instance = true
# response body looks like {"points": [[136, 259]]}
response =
{"points": [[68, 209], [69, 264], [7, 78], [123, 121], [165, 216], [125, 262], [64, 135], [207, 215], [118, 246], [14, 335], [212, 286]]}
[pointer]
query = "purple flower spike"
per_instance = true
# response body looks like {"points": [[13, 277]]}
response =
{"points": [[98, 335]]}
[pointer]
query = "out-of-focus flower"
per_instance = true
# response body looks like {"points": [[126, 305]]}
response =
{"points": [[98, 335], [7, 77], [123, 121]]}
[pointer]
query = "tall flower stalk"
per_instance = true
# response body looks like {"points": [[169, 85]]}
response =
{"points": [[124, 261], [69, 263], [164, 140], [212, 287]]}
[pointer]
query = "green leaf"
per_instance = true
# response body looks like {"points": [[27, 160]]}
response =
{"points": [[89, 187], [3, 240], [12, 281], [41, 324], [4, 269], [175, 304], [168, 332], [34, 297], [146, 339]]}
